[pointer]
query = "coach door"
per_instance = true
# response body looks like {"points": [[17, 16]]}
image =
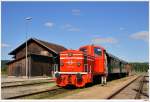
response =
{"points": [[99, 62]]}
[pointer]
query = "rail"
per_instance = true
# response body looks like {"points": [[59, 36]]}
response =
{"points": [[25, 84], [119, 90], [138, 95], [34, 93]]}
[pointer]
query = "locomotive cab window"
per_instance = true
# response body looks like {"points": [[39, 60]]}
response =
{"points": [[97, 51]]}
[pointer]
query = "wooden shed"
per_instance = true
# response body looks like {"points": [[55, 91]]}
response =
{"points": [[41, 56]]}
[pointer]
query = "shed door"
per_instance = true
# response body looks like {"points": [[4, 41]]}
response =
{"points": [[18, 71]]}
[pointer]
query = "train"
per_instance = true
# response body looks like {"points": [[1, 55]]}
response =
{"points": [[88, 64]]}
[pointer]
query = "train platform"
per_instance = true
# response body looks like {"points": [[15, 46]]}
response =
{"points": [[6, 79]]}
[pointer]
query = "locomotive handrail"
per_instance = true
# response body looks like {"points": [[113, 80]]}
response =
{"points": [[85, 67], [90, 69], [55, 67]]}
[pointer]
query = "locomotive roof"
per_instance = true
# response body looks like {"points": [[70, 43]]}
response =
{"points": [[110, 55], [93, 45]]}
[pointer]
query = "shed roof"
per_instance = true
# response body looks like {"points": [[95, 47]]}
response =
{"points": [[49, 46]]}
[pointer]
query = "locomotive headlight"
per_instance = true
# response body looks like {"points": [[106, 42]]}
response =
{"points": [[70, 54], [78, 64]]}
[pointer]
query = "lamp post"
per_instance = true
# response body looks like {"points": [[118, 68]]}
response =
{"points": [[27, 21]]}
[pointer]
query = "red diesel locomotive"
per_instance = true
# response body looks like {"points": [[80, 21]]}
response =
{"points": [[88, 64]]}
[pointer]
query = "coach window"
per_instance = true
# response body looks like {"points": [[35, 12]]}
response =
{"points": [[97, 51]]}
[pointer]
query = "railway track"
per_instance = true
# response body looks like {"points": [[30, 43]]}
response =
{"points": [[20, 89], [54, 94], [52, 90], [42, 94], [23, 83], [47, 94], [139, 90]]}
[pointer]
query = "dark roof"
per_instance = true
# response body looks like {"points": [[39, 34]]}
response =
{"points": [[116, 58], [50, 46]]}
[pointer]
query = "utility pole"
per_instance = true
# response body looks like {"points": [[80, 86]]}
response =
{"points": [[28, 19]]}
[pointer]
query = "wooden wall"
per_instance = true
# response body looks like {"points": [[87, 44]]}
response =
{"points": [[34, 48], [37, 66], [17, 68], [41, 66]]}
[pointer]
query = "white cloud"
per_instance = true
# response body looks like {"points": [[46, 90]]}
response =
{"points": [[121, 28], [76, 12], [3, 45], [104, 40], [49, 24], [142, 35], [71, 28]]}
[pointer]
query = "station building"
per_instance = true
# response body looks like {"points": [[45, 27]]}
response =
{"points": [[41, 56]]}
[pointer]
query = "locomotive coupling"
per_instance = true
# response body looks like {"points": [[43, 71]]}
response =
{"points": [[79, 76]]}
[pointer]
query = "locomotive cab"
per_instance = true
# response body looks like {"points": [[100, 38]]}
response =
{"points": [[100, 69], [99, 55]]}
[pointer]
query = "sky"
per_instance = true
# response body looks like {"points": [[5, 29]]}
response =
{"points": [[120, 27]]}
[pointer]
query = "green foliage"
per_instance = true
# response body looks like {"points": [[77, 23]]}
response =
{"points": [[4, 66], [140, 67]]}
